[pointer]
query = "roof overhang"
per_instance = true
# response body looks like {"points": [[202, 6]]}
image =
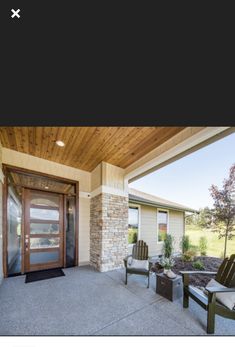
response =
{"points": [[187, 141], [139, 201]]}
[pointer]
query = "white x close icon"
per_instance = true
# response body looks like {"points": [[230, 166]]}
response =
{"points": [[15, 13]]}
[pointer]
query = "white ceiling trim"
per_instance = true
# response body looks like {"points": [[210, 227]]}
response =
{"points": [[158, 156]]}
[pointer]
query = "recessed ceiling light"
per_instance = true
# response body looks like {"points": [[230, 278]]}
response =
{"points": [[60, 143], [46, 187]]}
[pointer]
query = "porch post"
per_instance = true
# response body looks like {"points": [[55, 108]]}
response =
{"points": [[108, 217]]}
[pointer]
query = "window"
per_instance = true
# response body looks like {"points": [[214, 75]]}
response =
{"points": [[133, 224], [14, 232], [162, 222]]}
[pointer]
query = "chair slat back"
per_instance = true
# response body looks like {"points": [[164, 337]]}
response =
{"points": [[140, 250], [230, 280], [226, 272], [221, 270]]}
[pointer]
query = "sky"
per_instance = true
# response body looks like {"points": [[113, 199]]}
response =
{"points": [[187, 180]]}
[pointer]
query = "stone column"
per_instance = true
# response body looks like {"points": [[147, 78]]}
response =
{"points": [[108, 219]]}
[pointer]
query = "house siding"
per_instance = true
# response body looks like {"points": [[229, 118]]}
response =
{"points": [[176, 222], [148, 228], [84, 231], [112, 176], [96, 177]]}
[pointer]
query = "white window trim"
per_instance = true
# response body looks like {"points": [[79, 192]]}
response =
{"points": [[139, 220], [168, 223]]}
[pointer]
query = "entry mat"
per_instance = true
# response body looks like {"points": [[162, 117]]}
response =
{"points": [[43, 275]]}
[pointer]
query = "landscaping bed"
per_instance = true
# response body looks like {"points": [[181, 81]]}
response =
{"points": [[210, 264]]}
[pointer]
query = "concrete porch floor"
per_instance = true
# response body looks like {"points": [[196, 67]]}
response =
{"points": [[87, 302]]}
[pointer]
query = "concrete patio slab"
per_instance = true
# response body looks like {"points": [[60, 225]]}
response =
{"points": [[149, 319], [137, 285], [87, 302]]}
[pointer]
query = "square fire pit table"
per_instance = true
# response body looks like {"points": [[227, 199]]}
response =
{"points": [[170, 289]]}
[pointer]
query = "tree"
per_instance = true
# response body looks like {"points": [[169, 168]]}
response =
{"points": [[202, 245], [224, 208], [205, 217], [168, 246], [190, 219], [185, 243], [202, 219]]}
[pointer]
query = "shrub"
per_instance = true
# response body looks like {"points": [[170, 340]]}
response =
{"points": [[203, 245], [185, 243], [168, 246], [198, 265], [189, 255], [132, 236], [194, 248], [167, 263]]}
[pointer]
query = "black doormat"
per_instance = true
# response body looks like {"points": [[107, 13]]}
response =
{"points": [[43, 275]]}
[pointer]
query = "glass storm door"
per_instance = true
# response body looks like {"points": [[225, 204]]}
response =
{"points": [[43, 236]]}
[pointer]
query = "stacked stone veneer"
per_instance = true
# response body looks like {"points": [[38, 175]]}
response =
{"points": [[108, 231]]}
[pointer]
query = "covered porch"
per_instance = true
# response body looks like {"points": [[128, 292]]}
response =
{"points": [[94, 168], [88, 302], [81, 175]]}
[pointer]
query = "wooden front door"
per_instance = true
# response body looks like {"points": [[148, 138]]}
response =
{"points": [[43, 234]]}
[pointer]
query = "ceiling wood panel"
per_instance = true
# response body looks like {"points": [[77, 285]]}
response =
{"points": [[39, 182], [152, 141], [86, 147]]}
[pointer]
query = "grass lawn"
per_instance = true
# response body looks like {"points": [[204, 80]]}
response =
{"points": [[215, 246]]}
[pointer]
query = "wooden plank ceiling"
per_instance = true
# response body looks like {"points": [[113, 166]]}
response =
{"points": [[86, 147], [39, 182]]}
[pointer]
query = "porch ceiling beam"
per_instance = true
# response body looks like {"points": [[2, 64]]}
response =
{"points": [[187, 141]]}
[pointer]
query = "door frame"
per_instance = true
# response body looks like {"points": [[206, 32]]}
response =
{"points": [[6, 170]]}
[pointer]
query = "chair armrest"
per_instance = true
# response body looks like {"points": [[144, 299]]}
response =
{"points": [[198, 272], [126, 259], [153, 261], [219, 290], [186, 274]]}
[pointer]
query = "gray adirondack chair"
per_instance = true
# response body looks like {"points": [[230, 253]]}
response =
{"points": [[139, 252], [226, 277]]}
